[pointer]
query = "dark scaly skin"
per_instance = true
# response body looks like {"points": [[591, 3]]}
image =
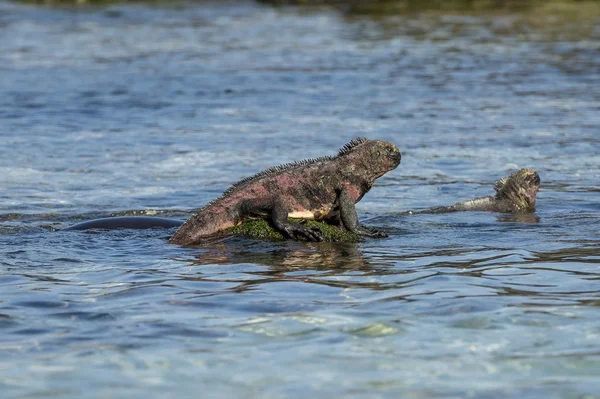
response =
{"points": [[514, 194], [324, 188]]}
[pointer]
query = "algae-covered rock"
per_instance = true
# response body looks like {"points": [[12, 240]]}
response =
{"points": [[261, 229]]}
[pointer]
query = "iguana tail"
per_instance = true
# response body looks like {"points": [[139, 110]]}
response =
{"points": [[205, 223]]}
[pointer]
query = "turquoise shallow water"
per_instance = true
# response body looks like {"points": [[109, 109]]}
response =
{"points": [[159, 109]]}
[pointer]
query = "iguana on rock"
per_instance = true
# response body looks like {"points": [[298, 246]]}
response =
{"points": [[325, 188], [514, 194]]}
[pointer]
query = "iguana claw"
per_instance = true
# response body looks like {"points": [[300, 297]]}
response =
{"points": [[296, 231], [370, 232]]}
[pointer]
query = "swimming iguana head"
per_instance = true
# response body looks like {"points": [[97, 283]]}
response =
{"points": [[520, 188], [370, 159]]}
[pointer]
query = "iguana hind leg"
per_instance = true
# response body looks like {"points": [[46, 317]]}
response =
{"points": [[293, 230], [278, 213]]}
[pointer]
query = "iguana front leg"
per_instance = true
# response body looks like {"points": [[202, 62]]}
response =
{"points": [[349, 217], [293, 230]]}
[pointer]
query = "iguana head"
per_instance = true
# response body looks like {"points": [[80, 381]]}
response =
{"points": [[520, 188], [370, 159]]}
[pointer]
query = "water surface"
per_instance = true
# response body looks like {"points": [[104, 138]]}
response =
{"points": [[137, 109]]}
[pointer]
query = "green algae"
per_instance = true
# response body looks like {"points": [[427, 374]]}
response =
{"points": [[262, 229]]}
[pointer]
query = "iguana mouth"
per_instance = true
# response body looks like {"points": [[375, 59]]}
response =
{"points": [[396, 158], [534, 179], [391, 158]]}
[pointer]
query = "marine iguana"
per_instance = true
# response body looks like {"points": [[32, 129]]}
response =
{"points": [[514, 194], [334, 216], [325, 188]]}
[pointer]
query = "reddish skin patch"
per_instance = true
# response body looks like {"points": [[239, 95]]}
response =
{"points": [[353, 192], [285, 181], [259, 191]]}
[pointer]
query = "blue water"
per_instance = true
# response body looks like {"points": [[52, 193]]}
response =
{"points": [[156, 110]]}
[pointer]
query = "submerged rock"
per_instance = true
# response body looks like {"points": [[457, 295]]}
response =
{"points": [[261, 229]]}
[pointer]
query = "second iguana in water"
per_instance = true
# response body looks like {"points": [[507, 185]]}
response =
{"points": [[514, 194], [325, 188]]}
